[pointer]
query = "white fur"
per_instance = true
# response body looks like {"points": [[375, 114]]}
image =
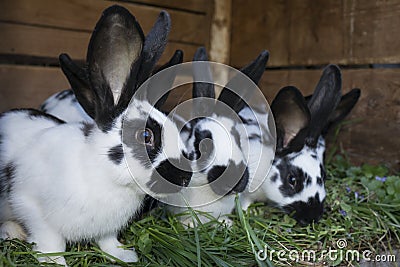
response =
{"points": [[67, 109], [65, 188]]}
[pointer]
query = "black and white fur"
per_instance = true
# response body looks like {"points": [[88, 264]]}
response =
{"points": [[213, 141], [296, 182], [67, 182]]}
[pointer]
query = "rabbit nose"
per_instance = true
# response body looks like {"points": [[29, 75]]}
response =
{"points": [[170, 176], [306, 212]]}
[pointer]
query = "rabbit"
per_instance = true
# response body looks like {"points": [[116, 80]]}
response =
{"points": [[209, 128], [208, 137], [296, 180], [69, 182]]}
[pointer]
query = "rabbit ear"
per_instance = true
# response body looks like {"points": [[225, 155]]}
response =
{"points": [[346, 104], [154, 46], [79, 82], [324, 101], [291, 117], [114, 57], [254, 71], [256, 68], [202, 72], [168, 80]]}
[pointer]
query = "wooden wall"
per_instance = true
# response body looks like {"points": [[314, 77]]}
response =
{"points": [[363, 37], [34, 33]]}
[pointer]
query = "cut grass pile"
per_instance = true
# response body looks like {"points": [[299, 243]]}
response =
{"points": [[363, 215]]}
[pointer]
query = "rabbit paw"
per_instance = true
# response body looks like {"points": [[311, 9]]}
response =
{"points": [[53, 259], [125, 255], [11, 230], [112, 246]]}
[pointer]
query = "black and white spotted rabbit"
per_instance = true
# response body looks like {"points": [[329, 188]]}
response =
{"points": [[214, 144], [296, 182], [67, 182], [210, 129]]}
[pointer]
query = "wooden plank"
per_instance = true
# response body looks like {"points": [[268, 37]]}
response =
{"points": [[83, 15], [48, 42], [190, 5], [374, 138], [42, 42], [257, 27], [220, 34], [309, 32], [28, 87]]}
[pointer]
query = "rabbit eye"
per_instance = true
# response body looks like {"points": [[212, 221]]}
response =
{"points": [[292, 181], [145, 136]]}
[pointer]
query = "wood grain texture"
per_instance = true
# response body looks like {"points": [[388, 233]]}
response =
{"points": [[190, 5], [50, 42], [79, 15], [28, 87], [314, 32], [374, 134]]}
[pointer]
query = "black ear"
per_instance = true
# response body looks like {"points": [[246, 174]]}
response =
{"points": [[202, 72], [291, 116], [154, 46], [324, 101], [168, 80], [346, 104], [254, 71], [114, 57], [79, 82], [256, 68]]}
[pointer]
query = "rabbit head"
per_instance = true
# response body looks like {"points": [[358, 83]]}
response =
{"points": [[297, 180], [214, 141], [119, 60]]}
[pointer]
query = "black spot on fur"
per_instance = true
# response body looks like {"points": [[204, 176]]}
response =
{"points": [[255, 137], [323, 173], [248, 121], [319, 181], [144, 153], [116, 154], [308, 181], [203, 148], [224, 180], [44, 108], [87, 128], [314, 156], [170, 176], [287, 170], [6, 178], [34, 113], [235, 135], [306, 212], [274, 178], [64, 94]]}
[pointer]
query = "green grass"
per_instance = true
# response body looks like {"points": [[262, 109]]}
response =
{"points": [[363, 208]]}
